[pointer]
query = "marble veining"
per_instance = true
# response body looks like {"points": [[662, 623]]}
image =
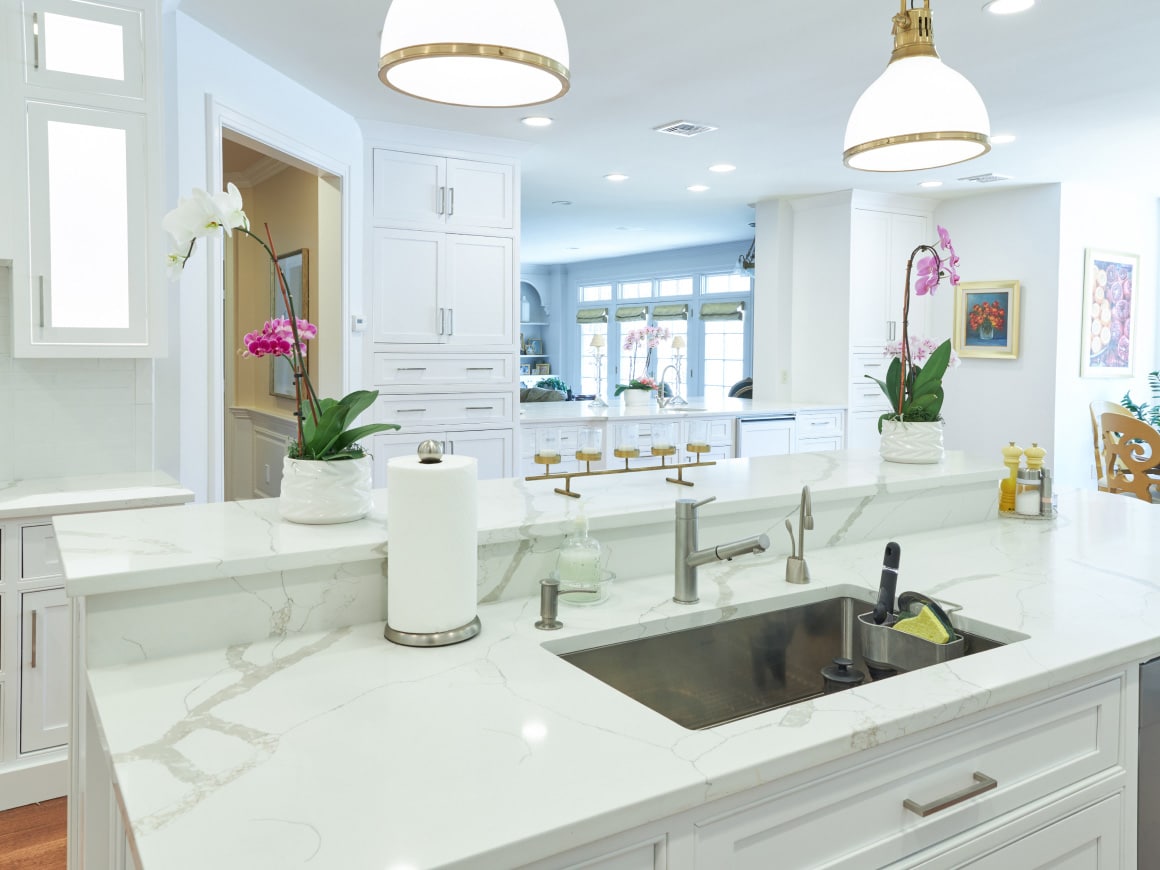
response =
{"points": [[345, 730]]}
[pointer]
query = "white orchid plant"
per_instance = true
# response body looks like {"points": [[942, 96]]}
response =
{"points": [[326, 428]]}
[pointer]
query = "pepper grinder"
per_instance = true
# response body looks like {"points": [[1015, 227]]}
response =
{"points": [[1011, 456]]}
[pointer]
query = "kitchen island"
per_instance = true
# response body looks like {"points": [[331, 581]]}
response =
{"points": [[313, 742]]}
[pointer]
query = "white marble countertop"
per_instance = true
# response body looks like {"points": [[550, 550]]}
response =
{"points": [[96, 492], [572, 412], [342, 750], [105, 553]]}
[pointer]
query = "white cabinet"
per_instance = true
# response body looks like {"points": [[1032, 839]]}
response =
{"points": [[426, 191], [87, 273], [818, 430], [769, 437], [880, 244], [437, 288], [44, 669], [491, 448]]}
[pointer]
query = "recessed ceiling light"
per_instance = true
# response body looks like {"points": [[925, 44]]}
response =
{"points": [[1008, 7], [537, 121], [616, 176], [931, 183], [722, 167], [1002, 139], [561, 202], [697, 188]]}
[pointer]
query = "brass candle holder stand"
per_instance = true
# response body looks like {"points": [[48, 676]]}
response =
{"points": [[588, 457]]}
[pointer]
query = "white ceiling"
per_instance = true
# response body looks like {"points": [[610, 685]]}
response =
{"points": [[1077, 81]]}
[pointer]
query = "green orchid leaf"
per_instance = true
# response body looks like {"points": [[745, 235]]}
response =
{"points": [[934, 369], [894, 383], [350, 436]]}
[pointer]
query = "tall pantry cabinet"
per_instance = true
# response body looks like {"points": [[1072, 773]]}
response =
{"points": [[849, 275], [443, 242]]}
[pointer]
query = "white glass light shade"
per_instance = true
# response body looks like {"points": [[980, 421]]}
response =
{"points": [[919, 114], [488, 53]]}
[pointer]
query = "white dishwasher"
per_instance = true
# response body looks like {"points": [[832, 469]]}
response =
{"points": [[771, 435]]}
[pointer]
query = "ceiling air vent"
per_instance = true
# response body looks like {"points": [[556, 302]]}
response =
{"points": [[986, 178], [684, 128]]}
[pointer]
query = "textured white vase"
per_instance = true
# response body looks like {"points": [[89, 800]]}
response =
{"points": [[637, 398], [917, 443], [325, 492]]}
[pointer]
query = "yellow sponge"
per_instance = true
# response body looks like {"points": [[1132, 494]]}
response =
{"points": [[926, 625]]}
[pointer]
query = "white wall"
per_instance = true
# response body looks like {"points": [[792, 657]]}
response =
{"points": [[1116, 221], [201, 66], [773, 300], [1001, 236], [71, 417]]}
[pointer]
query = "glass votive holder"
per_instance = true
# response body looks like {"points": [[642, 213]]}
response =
{"points": [[588, 447], [698, 436], [627, 441], [547, 446], [664, 439]]}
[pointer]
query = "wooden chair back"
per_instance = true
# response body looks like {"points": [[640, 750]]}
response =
{"points": [[1132, 455], [1098, 408]]}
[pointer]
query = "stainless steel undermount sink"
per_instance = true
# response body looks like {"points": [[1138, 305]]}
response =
{"points": [[712, 674]]}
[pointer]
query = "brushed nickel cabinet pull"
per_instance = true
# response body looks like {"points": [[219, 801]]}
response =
{"points": [[442, 194], [410, 410], [441, 318], [481, 368], [982, 783], [450, 201], [32, 663], [451, 321], [411, 369], [479, 408], [40, 280], [36, 43]]}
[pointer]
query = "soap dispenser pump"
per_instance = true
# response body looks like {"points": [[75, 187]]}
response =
{"points": [[578, 564]]}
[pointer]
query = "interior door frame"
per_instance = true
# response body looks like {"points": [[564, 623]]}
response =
{"points": [[220, 119]]}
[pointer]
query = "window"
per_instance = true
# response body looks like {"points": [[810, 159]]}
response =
{"points": [[704, 313]]}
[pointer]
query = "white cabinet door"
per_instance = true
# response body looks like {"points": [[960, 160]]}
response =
{"points": [[481, 296], [113, 58], [765, 437], [863, 430], [907, 231], [492, 448], [869, 277], [479, 195], [409, 189], [425, 191], [408, 287], [44, 670], [1091, 839]]}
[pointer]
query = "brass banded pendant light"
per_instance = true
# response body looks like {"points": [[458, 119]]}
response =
{"points": [[920, 113], [488, 53]]}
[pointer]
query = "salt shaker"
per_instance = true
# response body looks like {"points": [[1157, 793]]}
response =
{"points": [[1028, 487]]}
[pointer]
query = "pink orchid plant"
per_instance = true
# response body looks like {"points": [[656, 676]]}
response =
{"points": [[325, 426], [918, 397], [648, 338]]}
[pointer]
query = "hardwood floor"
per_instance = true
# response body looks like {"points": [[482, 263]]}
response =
{"points": [[33, 837]]}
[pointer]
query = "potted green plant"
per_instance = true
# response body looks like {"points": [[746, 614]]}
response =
{"points": [[1149, 413], [912, 428], [326, 474]]}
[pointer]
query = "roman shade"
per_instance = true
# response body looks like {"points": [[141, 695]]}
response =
{"points": [[592, 315], [626, 313], [723, 311], [671, 312]]}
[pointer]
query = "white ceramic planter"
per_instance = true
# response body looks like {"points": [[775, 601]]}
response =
{"points": [[637, 398], [916, 443], [325, 492]]}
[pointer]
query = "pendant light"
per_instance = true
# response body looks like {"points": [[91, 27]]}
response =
{"points": [[920, 113], [490, 53]]}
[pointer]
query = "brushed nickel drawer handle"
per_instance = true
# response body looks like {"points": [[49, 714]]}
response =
{"points": [[32, 664], [479, 408], [411, 369], [983, 783], [410, 410], [481, 368]]}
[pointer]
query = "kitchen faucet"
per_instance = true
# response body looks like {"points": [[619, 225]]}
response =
{"points": [[664, 401], [688, 557], [796, 569]]}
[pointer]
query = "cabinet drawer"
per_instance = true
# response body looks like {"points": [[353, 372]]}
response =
{"points": [[720, 430], [868, 396], [816, 445], [1030, 753], [39, 556], [814, 424], [868, 362], [443, 410], [443, 370]]}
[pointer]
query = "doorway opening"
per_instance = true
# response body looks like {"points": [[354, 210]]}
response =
{"points": [[301, 204]]}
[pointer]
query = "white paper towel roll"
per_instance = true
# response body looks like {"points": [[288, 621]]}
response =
{"points": [[432, 541]]}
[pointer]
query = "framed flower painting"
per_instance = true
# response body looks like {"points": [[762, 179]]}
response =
{"points": [[1109, 309], [987, 319]]}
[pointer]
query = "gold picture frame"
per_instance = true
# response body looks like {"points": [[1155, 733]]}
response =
{"points": [[986, 323], [295, 268]]}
